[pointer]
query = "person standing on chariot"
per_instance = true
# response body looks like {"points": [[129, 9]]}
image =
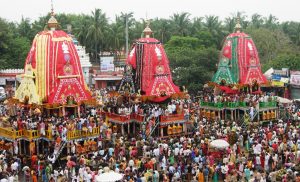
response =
{"points": [[32, 147], [16, 148], [42, 129]]}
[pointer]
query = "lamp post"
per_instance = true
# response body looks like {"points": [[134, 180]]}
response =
{"points": [[126, 33]]}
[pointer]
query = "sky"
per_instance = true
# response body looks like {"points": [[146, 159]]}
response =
{"points": [[284, 10]]}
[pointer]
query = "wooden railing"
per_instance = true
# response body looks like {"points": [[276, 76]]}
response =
{"points": [[121, 118], [137, 117], [140, 118], [172, 117], [236, 104], [35, 134], [267, 104], [8, 133], [31, 134], [77, 134]]}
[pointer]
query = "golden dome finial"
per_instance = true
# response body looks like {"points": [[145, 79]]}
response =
{"points": [[238, 26], [147, 31], [52, 22]]}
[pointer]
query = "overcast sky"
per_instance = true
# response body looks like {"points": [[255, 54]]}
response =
{"points": [[284, 10]]}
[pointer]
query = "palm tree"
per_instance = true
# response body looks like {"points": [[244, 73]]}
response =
{"points": [[271, 22], [256, 20], [214, 26], [181, 23], [137, 29], [25, 28], [197, 25], [81, 31], [230, 23], [95, 31], [116, 36], [128, 22], [161, 29]]}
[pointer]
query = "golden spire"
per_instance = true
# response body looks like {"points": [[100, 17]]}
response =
{"points": [[52, 22], [147, 31], [238, 26]]}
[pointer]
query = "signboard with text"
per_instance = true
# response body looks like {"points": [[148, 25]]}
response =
{"points": [[295, 78], [107, 64]]}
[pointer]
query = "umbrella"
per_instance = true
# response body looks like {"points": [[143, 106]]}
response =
{"points": [[284, 100], [25, 168], [109, 177], [219, 143]]}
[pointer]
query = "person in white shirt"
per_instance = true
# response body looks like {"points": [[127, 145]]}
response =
{"points": [[173, 108], [176, 151], [170, 109], [93, 112], [55, 174], [14, 166], [156, 152], [257, 161]]}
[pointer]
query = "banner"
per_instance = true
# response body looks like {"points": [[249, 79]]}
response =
{"points": [[295, 79], [282, 73], [284, 80], [277, 83], [107, 64]]}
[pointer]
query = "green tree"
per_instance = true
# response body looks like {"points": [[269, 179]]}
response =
{"points": [[192, 62], [116, 37], [181, 23], [257, 21], [270, 43], [95, 33], [214, 26], [18, 49], [161, 29], [292, 29], [25, 30], [271, 22], [197, 25], [13, 48], [291, 61]]}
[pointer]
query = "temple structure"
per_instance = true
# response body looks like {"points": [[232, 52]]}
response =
{"points": [[239, 62], [53, 74], [239, 70], [152, 75], [53, 81], [148, 76]]}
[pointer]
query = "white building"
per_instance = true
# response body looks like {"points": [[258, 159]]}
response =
{"points": [[84, 61]]}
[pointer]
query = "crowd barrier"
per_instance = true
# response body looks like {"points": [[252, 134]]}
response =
{"points": [[236, 104], [121, 118], [172, 117], [140, 118], [137, 117], [35, 134], [267, 104]]}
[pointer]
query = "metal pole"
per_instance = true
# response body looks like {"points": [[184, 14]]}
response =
{"points": [[126, 33]]}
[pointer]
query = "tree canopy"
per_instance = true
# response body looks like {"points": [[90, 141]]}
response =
{"points": [[192, 44]]}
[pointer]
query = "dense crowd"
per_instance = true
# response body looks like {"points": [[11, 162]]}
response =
{"points": [[260, 152]]}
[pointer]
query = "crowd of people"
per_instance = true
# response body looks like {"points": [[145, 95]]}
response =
{"points": [[249, 99], [260, 152]]}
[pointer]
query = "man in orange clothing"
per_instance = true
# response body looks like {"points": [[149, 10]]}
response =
{"points": [[33, 176], [200, 176]]}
